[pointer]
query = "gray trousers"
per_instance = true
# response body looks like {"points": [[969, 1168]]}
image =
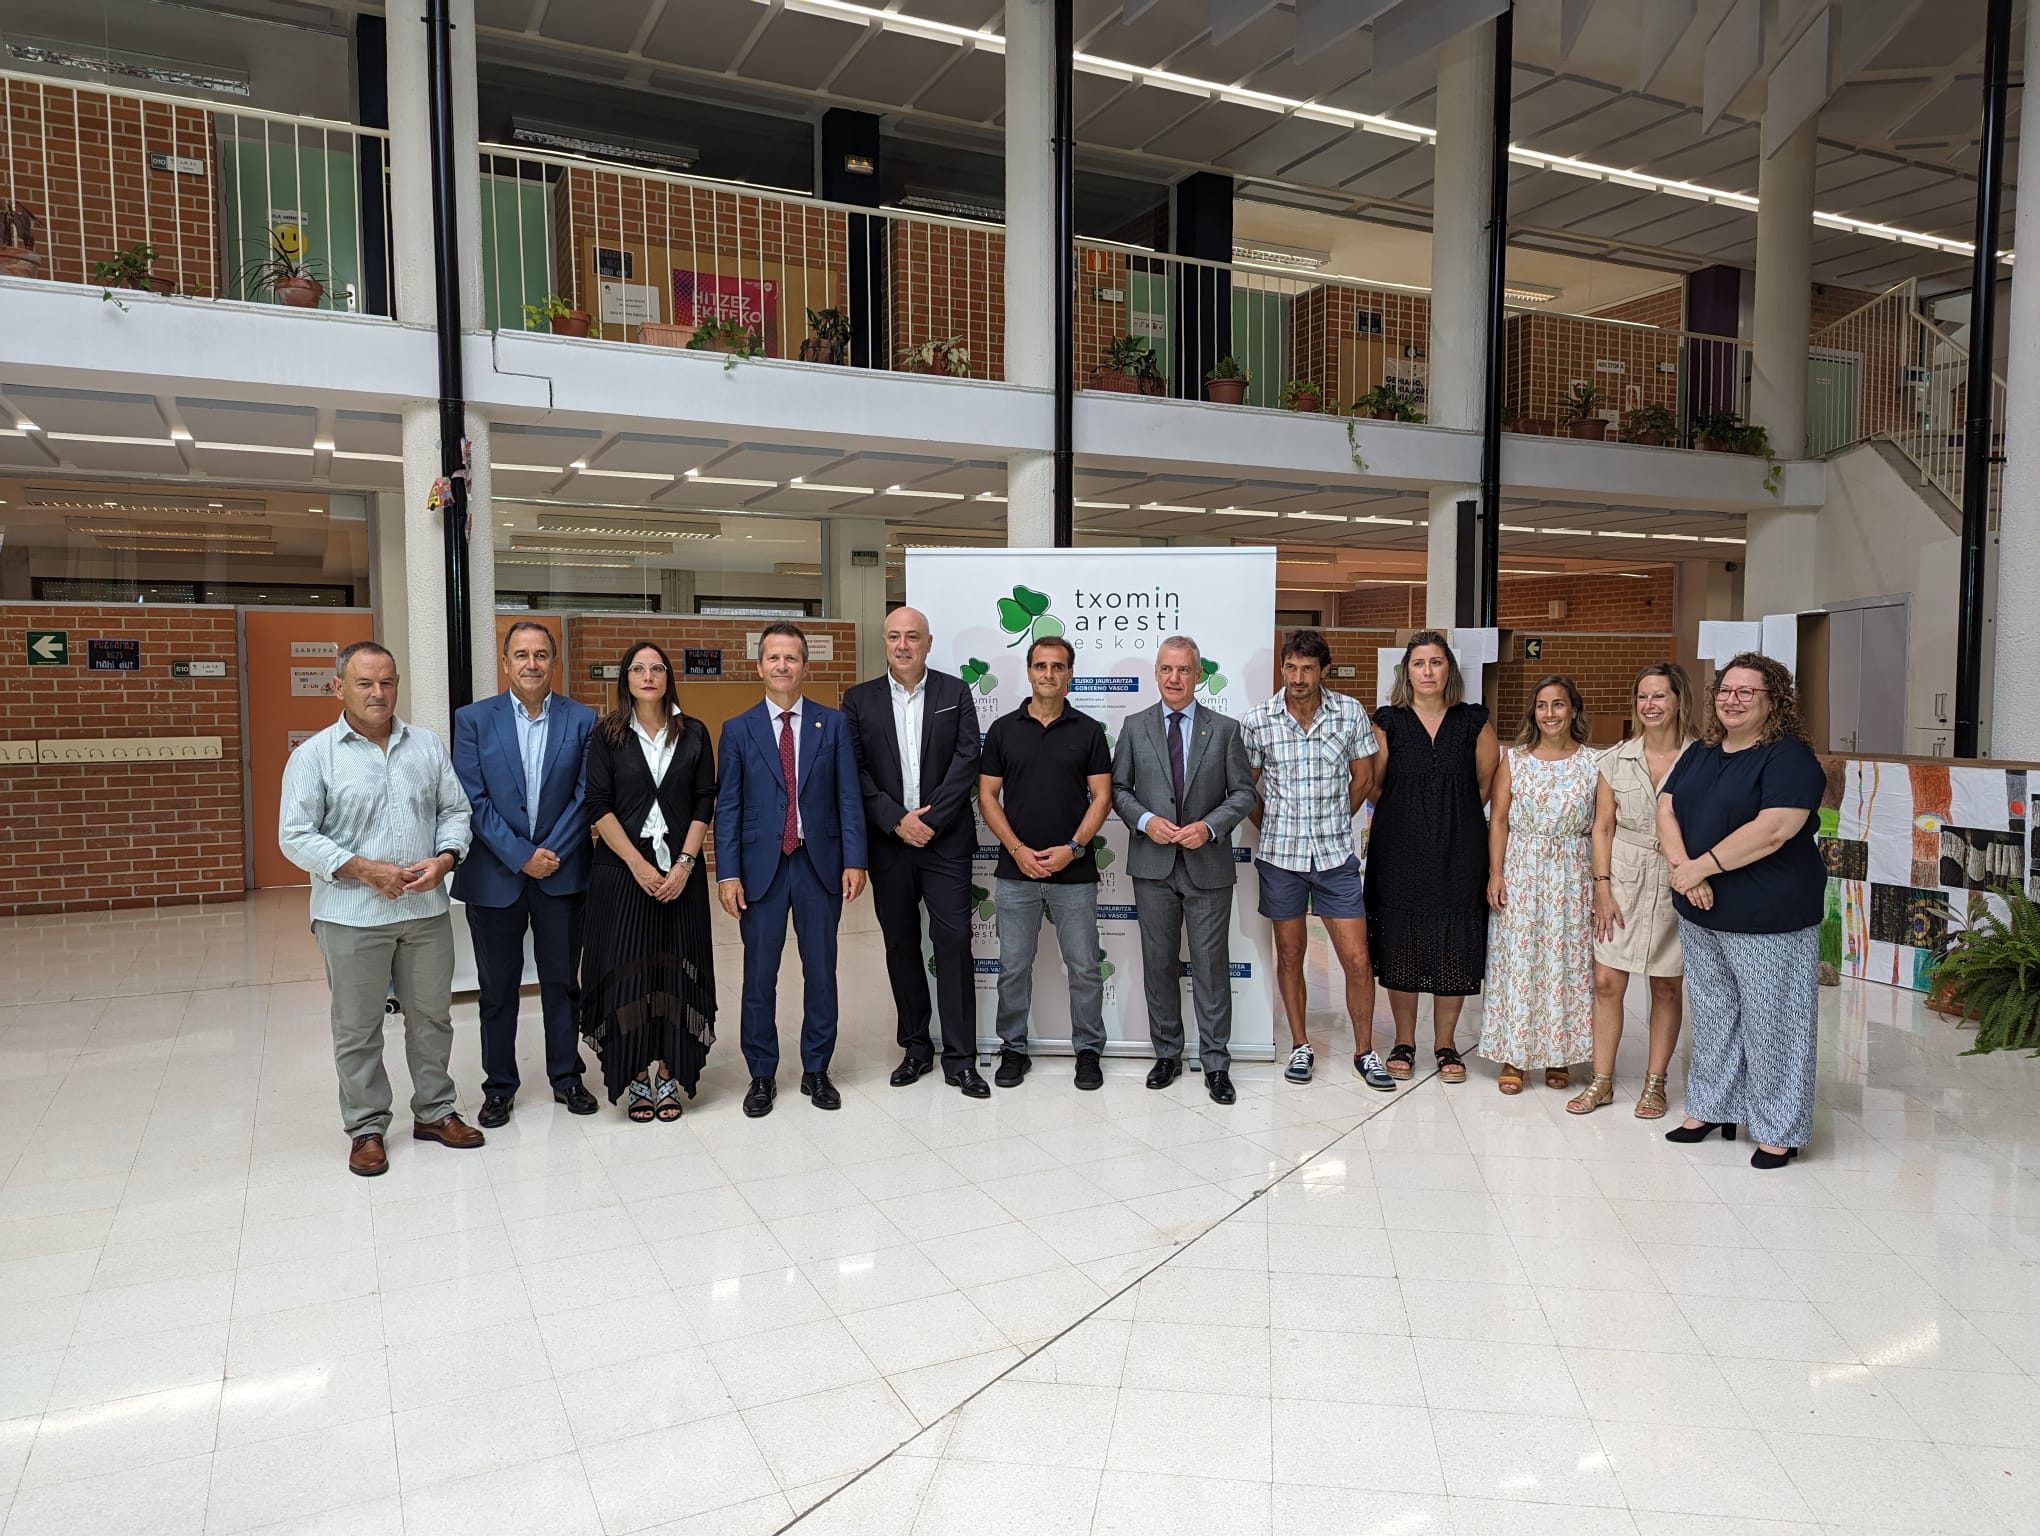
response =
{"points": [[1754, 1028], [362, 965], [1073, 909], [1165, 907]]}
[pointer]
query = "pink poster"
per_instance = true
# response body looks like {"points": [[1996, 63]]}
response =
{"points": [[751, 301]]}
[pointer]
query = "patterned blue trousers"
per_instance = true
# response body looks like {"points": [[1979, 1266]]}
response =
{"points": [[1755, 1029]]}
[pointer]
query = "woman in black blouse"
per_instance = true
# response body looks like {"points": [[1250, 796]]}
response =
{"points": [[647, 972]]}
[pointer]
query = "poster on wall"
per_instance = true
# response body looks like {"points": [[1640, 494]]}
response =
{"points": [[1114, 606], [750, 301]]}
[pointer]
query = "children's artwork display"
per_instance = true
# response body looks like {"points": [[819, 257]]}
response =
{"points": [[1913, 849]]}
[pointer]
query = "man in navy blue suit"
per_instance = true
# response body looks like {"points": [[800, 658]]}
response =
{"points": [[518, 756], [789, 834]]}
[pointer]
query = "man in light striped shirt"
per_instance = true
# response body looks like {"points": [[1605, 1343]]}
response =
{"points": [[373, 813]]}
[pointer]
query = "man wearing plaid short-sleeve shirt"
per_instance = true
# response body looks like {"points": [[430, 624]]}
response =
{"points": [[1312, 752]]}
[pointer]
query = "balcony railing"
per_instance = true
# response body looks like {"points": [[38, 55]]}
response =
{"points": [[1589, 376], [187, 197]]}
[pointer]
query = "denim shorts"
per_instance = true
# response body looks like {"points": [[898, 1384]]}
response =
{"points": [[1287, 893]]}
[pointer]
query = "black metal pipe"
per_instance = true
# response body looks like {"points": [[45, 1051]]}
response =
{"points": [[452, 390], [1065, 270], [1498, 264], [1976, 433]]}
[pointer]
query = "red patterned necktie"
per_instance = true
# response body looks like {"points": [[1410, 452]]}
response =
{"points": [[789, 839]]}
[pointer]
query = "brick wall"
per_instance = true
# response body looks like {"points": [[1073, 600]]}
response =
{"points": [[946, 281], [1330, 345], [84, 839], [1602, 666], [1389, 607], [1831, 303], [80, 162], [600, 639], [1543, 356], [1350, 648], [1666, 308], [1595, 600]]}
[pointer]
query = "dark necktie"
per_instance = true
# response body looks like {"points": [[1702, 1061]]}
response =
{"points": [[1176, 758], [789, 838]]}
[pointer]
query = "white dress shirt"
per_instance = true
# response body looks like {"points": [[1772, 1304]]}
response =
{"points": [[772, 714], [658, 751], [909, 706]]}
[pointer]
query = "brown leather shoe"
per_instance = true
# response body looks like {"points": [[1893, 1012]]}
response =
{"points": [[450, 1132], [367, 1157]]}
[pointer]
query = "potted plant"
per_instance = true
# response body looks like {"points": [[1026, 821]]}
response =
{"points": [[1130, 368], [1300, 395], [558, 316], [1651, 425], [1991, 974], [285, 271], [1389, 401], [1227, 383], [1582, 413], [830, 342], [1718, 431], [18, 256], [131, 269], [733, 338], [948, 356]]}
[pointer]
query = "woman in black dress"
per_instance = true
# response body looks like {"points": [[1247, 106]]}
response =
{"points": [[647, 970], [1427, 850]]}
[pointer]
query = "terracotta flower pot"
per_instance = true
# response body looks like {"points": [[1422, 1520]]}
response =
{"points": [[19, 261], [816, 350], [1306, 403], [574, 322], [1588, 429], [299, 292], [654, 333], [1649, 439], [1117, 381], [1380, 413], [1947, 1001], [1225, 391]]}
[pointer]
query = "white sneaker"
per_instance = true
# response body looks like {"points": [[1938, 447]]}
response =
{"points": [[1301, 1060]]}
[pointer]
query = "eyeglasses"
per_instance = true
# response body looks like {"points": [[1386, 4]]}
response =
{"points": [[1739, 695], [654, 670]]}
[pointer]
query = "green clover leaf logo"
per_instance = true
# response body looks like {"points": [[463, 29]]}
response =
{"points": [[1105, 967], [981, 902], [978, 674], [1025, 616], [1101, 853], [1211, 680]]}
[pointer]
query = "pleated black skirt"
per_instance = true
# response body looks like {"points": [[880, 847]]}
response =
{"points": [[647, 977]]}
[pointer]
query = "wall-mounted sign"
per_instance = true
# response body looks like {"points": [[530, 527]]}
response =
{"points": [[1610, 365], [1533, 648], [1109, 295], [181, 165], [311, 682], [198, 669], [1147, 323], [608, 672], [298, 739], [702, 663], [48, 647], [865, 557], [113, 655], [627, 303], [313, 650]]}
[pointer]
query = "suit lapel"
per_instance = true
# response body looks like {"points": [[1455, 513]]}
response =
{"points": [[808, 752], [768, 739], [927, 727], [555, 744], [506, 732], [1200, 738]]}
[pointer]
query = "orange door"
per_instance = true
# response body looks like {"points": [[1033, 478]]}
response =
{"points": [[283, 651], [556, 622]]}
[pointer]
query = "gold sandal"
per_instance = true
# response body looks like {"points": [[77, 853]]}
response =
{"points": [[1590, 1098], [1650, 1104]]}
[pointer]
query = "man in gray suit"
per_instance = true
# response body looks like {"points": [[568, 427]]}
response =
{"points": [[1180, 781]]}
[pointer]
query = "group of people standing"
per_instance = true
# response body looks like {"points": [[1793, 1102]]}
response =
{"points": [[1545, 874]]}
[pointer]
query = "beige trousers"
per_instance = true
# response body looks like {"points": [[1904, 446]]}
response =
{"points": [[362, 966]]}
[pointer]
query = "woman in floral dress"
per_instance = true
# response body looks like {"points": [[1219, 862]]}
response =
{"points": [[1540, 983]]}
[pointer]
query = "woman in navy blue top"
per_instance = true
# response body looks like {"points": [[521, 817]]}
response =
{"points": [[1737, 819]]}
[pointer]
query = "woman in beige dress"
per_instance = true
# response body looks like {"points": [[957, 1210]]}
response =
{"points": [[1636, 932]]}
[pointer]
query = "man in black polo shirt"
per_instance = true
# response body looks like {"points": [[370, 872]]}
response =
{"points": [[1044, 789]]}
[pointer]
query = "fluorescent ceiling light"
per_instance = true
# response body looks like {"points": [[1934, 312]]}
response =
{"points": [[245, 533], [1316, 517], [159, 547], [527, 469], [1568, 533], [1516, 528], [578, 565], [895, 490], [1163, 506], [1530, 293], [1103, 506], [1281, 256], [94, 437], [1240, 512], [26, 426], [643, 527], [1683, 538], [989, 496], [318, 446], [1399, 522], [179, 435], [798, 484], [295, 453], [521, 544], [1711, 539], [1616, 533], [124, 65], [628, 474], [695, 478], [390, 458], [100, 502]]}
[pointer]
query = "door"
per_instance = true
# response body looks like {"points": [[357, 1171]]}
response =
{"points": [[1867, 680], [1845, 679], [1260, 341], [1830, 404], [287, 671]]}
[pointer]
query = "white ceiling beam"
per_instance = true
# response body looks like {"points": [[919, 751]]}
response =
{"points": [[1229, 18], [1412, 28], [1572, 25], [1321, 23], [1867, 25], [1733, 58], [1800, 82], [1659, 30]]}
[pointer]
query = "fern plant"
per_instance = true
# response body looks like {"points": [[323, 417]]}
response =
{"points": [[1992, 975]]}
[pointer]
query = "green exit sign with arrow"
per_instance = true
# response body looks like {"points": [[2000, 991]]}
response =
{"points": [[49, 648], [1533, 649]]}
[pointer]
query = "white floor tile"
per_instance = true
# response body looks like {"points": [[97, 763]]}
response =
{"points": [[169, 1500], [1861, 1484], [480, 1433], [1516, 1457], [983, 1498], [830, 1434], [123, 1436], [302, 1475], [646, 1392], [1221, 1434], [541, 1496], [1156, 1504], [1681, 1473], [654, 1480]]}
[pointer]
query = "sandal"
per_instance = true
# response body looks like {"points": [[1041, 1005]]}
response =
{"points": [[1511, 1081], [1590, 1098], [1450, 1068], [638, 1105], [1402, 1061], [1557, 1077], [670, 1107], [1650, 1104]]}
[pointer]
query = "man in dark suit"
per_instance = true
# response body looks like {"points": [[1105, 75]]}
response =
{"points": [[789, 834], [1181, 783], [916, 733], [518, 756]]}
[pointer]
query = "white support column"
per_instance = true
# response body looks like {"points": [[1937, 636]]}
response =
{"points": [[389, 582], [1030, 264], [485, 678], [425, 696], [1459, 266], [856, 592], [2011, 714], [1782, 545]]}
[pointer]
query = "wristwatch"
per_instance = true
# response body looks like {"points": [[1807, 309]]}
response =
{"points": [[684, 860], [449, 853], [1076, 849]]}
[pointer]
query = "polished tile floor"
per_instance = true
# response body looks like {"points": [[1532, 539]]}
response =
{"points": [[1321, 1310]]}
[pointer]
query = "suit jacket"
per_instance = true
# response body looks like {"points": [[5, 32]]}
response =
{"points": [[950, 743], [620, 782], [750, 802], [491, 770], [1218, 789]]}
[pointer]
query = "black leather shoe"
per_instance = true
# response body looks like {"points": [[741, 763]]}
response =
{"points": [[1164, 1072], [1013, 1067], [1219, 1085], [911, 1070], [578, 1099], [758, 1102], [1089, 1075], [816, 1086], [495, 1111], [973, 1086]]}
